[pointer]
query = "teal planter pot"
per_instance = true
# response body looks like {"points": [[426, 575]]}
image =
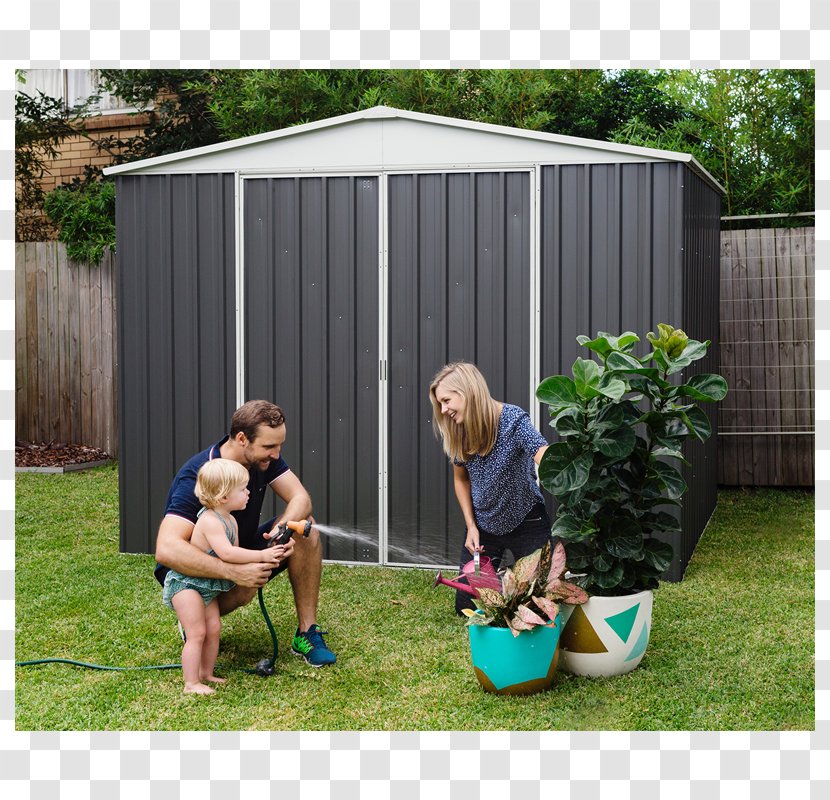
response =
{"points": [[523, 664]]}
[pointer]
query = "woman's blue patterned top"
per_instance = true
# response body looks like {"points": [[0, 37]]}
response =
{"points": [[503, 482]]}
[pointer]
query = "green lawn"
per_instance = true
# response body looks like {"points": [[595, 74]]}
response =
{"points": [[732, 646]]}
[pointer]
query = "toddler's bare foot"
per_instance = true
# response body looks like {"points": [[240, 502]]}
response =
{"points": [[214, 679], [198, 688]]}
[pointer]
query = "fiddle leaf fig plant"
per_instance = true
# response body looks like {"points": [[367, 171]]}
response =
{"points": [[530, 593], [618, 419]]}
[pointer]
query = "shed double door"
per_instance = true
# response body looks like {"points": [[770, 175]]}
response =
{"points": [[357, 289]]}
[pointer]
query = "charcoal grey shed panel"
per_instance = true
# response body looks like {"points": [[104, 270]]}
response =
{"points": [[311, 338], [624, 247], [175, 243], [334, 266], [459, 276]]}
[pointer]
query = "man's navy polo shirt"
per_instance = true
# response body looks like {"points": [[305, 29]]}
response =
{"points": [[182, 501]]}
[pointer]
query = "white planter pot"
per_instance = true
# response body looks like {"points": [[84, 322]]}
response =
{"points": [[605, 636]]}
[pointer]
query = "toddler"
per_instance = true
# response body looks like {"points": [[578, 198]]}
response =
{"points": [[222, 487]]}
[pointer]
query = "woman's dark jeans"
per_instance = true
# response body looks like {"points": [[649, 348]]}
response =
{"points": [[527, 537]]}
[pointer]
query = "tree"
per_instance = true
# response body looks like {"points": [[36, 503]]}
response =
{"points": [[753, 130], [41, 124], [176, 103], [83, 210], [587, 103]]}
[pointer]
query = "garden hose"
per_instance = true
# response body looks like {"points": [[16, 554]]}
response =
{"points": [[264, 667], [90, 666]]}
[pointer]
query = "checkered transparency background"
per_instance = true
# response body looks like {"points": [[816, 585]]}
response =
{"points": [[409, 33]]}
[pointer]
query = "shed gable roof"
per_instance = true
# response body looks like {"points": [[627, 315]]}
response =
{"points": [[389, 138]]}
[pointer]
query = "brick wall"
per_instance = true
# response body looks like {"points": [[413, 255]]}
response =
{"points": [[78, 151]]}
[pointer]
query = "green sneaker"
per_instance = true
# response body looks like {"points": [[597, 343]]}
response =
{"points": [[312, 648]]}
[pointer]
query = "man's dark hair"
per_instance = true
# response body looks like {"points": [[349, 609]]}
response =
{"points": [[248, 417]]}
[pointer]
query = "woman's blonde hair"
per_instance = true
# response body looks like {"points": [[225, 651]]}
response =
{"points": [[217, 478], [476, 435]]}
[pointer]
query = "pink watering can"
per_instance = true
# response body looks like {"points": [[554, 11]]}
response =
{"points": [[479, 574]]}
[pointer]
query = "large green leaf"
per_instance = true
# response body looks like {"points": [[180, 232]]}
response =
{"points": [[622, 362], [570, 422], [605, 342], [609, 416], [658, 554], [671, 452], [615, 442], [586, 374], [564, 467], [646, 386], [670, 478], [603, 562], [696, 421], [611, 386], [659, 358], [693, 351], [704, 388], [659, 522], [609, 579], [571, 528], [625, 543], [659, 501], [559, 392], [579, 554]]}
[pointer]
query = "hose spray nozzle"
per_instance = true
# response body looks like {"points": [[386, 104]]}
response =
{"points": [[286, 529]]}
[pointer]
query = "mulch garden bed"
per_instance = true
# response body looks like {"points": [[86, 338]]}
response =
{"points": [[57, 456]]}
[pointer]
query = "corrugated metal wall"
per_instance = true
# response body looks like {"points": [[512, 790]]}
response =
{"points": [[701, 320], [622, 247], [459, 283], [177, 342], [311, 277], [625, 246]]}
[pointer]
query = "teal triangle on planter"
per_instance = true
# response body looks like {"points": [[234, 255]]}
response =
{"points": [[623, 622], [640, 646]]}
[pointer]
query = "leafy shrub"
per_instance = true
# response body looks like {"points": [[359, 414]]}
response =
{"points": [[607, 472], [85, 216], [529, 593]]}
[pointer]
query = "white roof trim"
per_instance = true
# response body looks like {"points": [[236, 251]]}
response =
{"points": [[385, 112]]}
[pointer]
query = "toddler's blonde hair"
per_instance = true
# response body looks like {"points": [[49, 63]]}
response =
{"points": [[217, 479]]}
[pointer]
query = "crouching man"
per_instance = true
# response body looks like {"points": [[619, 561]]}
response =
{"points": [[256, 437]]}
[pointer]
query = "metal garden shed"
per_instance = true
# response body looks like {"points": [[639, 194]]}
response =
{"points": [[334, 266]]}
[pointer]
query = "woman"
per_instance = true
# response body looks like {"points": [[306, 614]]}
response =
{"points": [[493, 447]]}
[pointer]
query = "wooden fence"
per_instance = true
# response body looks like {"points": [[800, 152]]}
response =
{"points": [[66, 353], [65, 348], [767, 355]]}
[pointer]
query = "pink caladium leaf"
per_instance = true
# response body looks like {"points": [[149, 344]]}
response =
{"points": [[517, 624], [527, 568], [548, 606], [525, 614], [490, 598], [566, 592], [477, 619], [544, 563], [557, 563], [508, 583]]}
